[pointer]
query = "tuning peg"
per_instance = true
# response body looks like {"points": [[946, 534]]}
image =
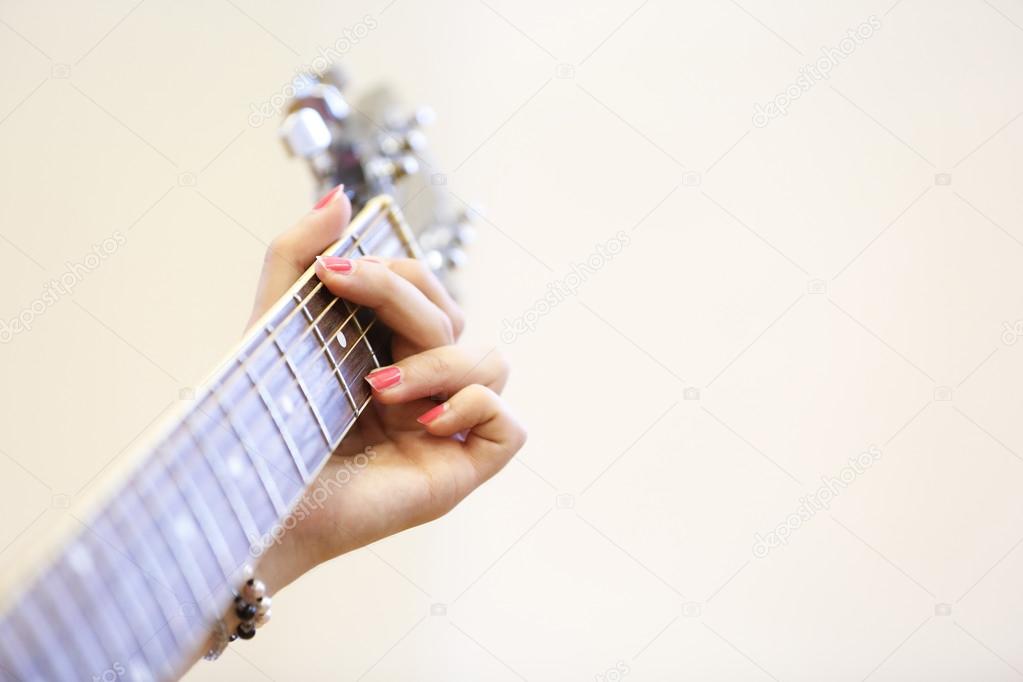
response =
{"points": [[305, 134], [336, 76], [457, 257], [327, 100], [434, 259], [465, 233], [392, 169], [422, 117]]}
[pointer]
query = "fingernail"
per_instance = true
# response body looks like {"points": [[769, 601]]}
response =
{"points": [[432, 414], [336, 264], [328, 197], [385, 377]]}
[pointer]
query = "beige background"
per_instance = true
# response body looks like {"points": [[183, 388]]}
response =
{"points": [[623, 533]]}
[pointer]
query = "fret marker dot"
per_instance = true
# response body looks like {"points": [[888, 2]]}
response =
{"points": [[287, 404], [341, 340], [79, 559], [184, 528], [235, 466]]}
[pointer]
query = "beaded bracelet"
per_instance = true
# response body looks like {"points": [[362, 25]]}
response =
{"points": [[251, 606]]}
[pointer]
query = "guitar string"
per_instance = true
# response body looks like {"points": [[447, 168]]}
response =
{"points": [[272, 336], [301, 366], [240, 371]]}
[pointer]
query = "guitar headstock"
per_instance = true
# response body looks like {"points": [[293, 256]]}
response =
{"points": [[374, 146]]}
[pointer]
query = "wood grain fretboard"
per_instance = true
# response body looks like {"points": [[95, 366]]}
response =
{"points": [[136, 587]]}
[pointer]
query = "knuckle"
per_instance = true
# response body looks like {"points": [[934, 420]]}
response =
{"points": [[439, 365], [457, 319], [282, 247], [501, 363], [446, 330], [519, 436], [482, 394]]}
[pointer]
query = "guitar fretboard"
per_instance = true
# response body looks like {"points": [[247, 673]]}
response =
{"points": [[139, 584]]}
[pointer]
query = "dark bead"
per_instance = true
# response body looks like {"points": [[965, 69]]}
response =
{"points": [[245, 611], [233, 637], [246, 631]]}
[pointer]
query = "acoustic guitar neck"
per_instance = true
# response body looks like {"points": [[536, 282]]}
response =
{"points": [[136, 587]]}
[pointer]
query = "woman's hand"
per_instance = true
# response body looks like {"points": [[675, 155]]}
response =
{"points": [[422, 456]]}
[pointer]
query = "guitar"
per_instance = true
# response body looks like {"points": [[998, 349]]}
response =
{"points": [[135, 589]]}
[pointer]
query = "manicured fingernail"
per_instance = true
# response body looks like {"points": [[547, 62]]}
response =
{"points": [[385, 377], [328, 197], [336, 264], [432, 414]]}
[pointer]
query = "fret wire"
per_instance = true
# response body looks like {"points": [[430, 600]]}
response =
{"points": [[231, 491], [305, 393], [195, 580], [356, 239], [114, 628], [330, 354], [272, 334], [211, 529], [262, 473], [190, 579], [94, 604], [236, 432], [279, 423], [267, 400], [141, 619], [142, 585], [47, 602], [191, 574], [140, 576], [196, 504], [95, 654], [364, 338], [355, 418], [57, 665], [143, 546], [15, 655]]}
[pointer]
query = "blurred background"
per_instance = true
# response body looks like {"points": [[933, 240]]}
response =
{"points": [[773, 413]]}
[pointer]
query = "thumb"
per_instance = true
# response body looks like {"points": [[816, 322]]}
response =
{"points": [[293, 251]]}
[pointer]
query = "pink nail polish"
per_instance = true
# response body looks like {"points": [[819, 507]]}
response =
{"points": [[336, 264], [326, 199], [432, 414], [385, 377]]}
